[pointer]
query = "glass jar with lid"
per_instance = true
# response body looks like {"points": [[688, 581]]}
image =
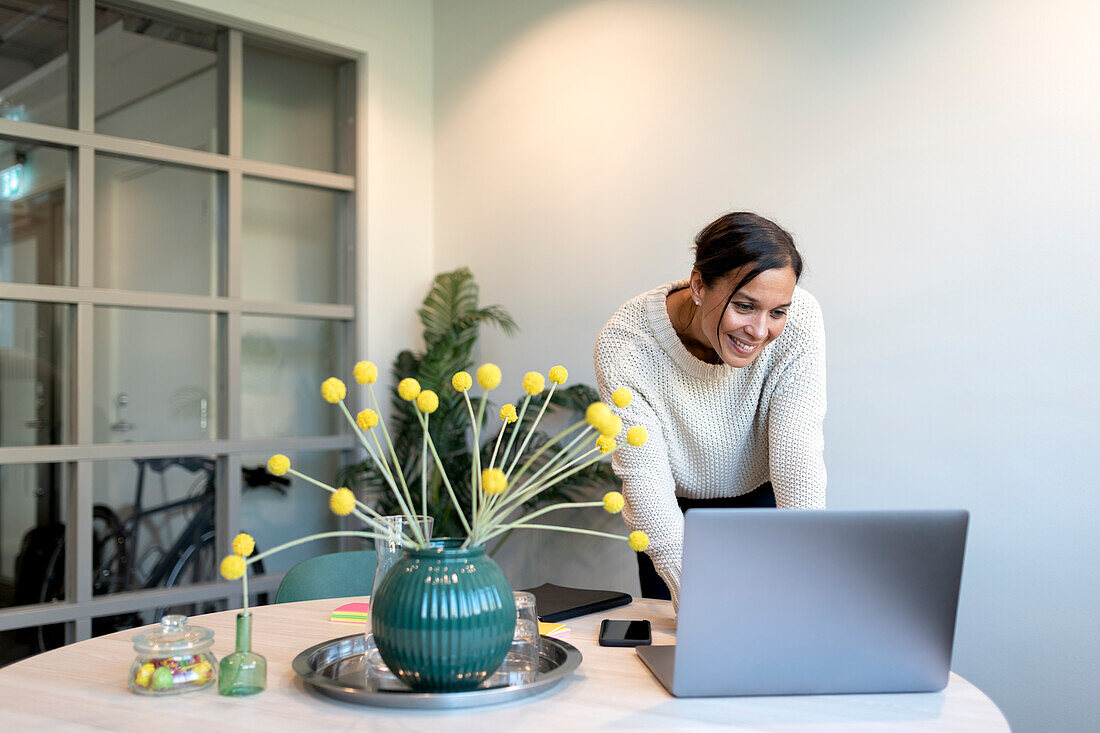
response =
{"points": [[172, 658]]}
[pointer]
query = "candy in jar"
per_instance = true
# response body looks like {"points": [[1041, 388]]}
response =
{"points": [[172, 658]]}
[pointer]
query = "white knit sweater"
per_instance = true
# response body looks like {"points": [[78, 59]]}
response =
{"points": [[714, 430]]}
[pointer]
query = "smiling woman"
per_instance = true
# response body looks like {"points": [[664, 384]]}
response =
{"points": [[728, 368]]}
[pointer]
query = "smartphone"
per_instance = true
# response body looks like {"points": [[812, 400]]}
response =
{"points": [[625, 633]]}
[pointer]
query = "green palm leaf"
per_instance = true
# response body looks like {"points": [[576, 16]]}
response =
{"points": [[452, 320]]}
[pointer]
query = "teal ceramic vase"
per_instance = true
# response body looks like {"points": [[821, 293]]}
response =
{"points": [[443, 617]]}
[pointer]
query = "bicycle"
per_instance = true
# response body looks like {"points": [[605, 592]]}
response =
{"points": [[192, 558]]}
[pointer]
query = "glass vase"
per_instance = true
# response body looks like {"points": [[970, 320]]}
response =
{"points": [[243, 672]]}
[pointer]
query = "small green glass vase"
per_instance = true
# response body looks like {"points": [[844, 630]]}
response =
{"points": [[243, 672]]}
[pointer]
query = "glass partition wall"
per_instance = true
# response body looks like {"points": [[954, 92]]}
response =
{"points": [[177, 258]]}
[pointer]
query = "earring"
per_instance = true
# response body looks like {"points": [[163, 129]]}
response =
{"points": [[697, 302]]}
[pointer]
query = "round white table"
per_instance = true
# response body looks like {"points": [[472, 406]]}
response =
{"points": [[84, 686]]}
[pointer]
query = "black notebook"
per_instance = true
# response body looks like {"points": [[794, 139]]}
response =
{"points": [[556, 603]]}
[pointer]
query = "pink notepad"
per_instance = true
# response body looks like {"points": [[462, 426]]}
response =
{"points": [[351, 613]]}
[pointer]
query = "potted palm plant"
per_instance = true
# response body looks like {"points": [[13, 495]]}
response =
{"points": [[452, 318]]}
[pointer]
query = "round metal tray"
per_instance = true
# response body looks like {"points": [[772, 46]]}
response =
{"points": [[338, 669]]}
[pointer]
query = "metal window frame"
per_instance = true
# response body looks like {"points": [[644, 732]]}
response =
{"points": [[84, 144]]}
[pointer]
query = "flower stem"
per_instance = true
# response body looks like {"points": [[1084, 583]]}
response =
{"points": [[530, 490], [524, 492], [424, 470], [503, 427], [565, 455], [443, 475], [475, 464], [407, 544], [547, 446], [512, 437], [553, 507], [371, 522], [389, 444], [556, 528], [531, 432], [384, 467], [408, 496]]}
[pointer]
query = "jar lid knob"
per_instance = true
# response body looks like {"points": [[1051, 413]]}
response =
{"points": [[173, 622]]}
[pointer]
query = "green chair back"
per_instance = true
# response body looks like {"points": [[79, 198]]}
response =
{"points": [[329, 576]]}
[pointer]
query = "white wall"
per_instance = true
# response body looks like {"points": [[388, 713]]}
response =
{"points": [[937, 163]]}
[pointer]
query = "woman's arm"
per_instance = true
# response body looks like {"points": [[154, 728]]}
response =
{"points": [[648, 485], [796, 438]]}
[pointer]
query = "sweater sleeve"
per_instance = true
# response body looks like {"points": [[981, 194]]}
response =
{"points": [[796, 440], [649, 489]]}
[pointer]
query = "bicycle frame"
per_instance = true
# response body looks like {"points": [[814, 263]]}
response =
{"points": [[203, 519]]}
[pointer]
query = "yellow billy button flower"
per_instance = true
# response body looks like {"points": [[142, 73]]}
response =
{"points": [[611, 426], [341, 502], [366, 419], [637, 435], [427, 401], [558, 375], [408, 389], [365, 372], [508, 413], [596, 413], [493, 481], [488, 376], [533, 383], [278, 464], [244, 545], [638, 540], [605, 443], [462, 381], [333, 390], [232, 567], [613, 502], [622, 397]]}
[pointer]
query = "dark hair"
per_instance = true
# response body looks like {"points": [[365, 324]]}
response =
{"points": [[739, 239]]}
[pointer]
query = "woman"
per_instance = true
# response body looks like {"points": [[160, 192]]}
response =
{"points": [[727, 371]]}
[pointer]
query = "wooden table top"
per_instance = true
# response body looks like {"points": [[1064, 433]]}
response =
{"points": [[84, 686]]}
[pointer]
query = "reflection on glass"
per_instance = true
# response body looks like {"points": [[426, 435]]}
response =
{"points": [[32, 550], [35, 373], [34, 61], [154, 376], [273, 518], [283, 362], [290, 108], [156, 227], [154, 527], [154, 523], [33, 236], [156, 80], [289, 243], [32, 515]]}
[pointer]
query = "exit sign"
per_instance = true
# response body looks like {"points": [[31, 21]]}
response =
{"points": [[11, 182]]}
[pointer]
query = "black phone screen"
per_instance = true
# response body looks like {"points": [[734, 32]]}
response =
{"points": [[624, 633]]}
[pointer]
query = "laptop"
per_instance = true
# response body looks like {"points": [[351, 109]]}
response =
{"points": [[800, 602]]}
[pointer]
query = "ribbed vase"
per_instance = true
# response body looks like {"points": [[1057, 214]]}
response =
{"points": [[443, 617]]}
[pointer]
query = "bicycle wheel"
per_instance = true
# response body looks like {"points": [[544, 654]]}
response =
{"points": [[110, 552], [110, 567], [199, 564]]}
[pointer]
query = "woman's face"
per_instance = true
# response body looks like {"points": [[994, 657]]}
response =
{"points": [[754, 318]]}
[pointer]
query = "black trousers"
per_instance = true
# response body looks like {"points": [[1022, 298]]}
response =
{"points": [[761, 497]]}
